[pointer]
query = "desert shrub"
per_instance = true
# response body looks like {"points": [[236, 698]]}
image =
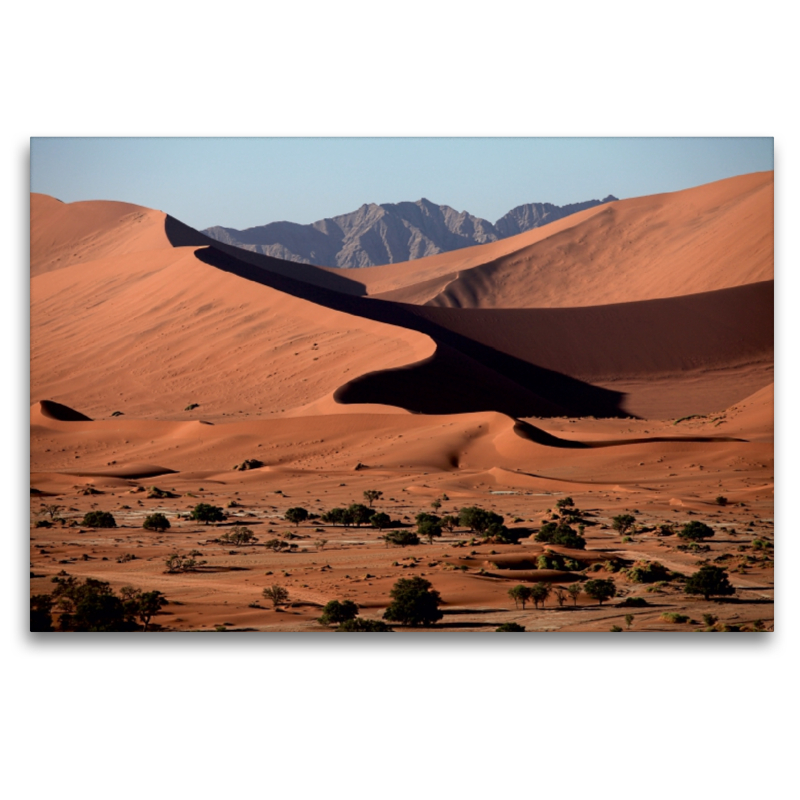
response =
{"points": [[43, 523], [622, 523], [296, 515], [278, 595], [563, 503], [361, 625], [599, 589], [628, 621], [648, 572], [562, 534], [520, 594], [175, 562], [762, 544], [401, 538], [99, 519], [710, 620], [709, 581], [615, 629], [206, 513], [674, 617], [335, 612], [414, 602], [721, 500], [696, 531], [634, 602], [238, 536], [156, 522], [510, 627]]}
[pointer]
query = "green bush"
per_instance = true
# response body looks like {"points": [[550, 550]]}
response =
{"points": [[696, 531], [622, 523], [414, 602], [336, 612], [156, 522], [709, 581], [238, 536], [380, 521], [674, 617], [648, 572], [510, 627], [401, 538], [206, 513], [634, 602], [278, 595], [99, 519], [478, 519], [562, 534]]}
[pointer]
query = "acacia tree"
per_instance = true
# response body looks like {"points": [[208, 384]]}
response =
{"points": [[380, 521], [279, 595], [622, 523], [206, 513], [573, 590], [561, 595], [156, 522], [709, 581], [239, 535], [600, 590], [429, 528], [336, 612], [696, 531], [296, 515], [520, 594], [449, 522], [539, 593], [414, 602], [371, 495]]}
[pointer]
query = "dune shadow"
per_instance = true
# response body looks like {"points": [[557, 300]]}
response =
{"points": [[462, 376]]}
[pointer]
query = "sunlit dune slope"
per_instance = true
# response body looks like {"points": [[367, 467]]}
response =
{"points": [[710, 237], [149, 333], [63, 234]]}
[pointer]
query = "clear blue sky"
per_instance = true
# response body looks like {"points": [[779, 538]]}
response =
{"points": [[241, 182]]}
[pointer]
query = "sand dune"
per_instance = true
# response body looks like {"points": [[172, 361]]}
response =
{"points": [[697, 240]]}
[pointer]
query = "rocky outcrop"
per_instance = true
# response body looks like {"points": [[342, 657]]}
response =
{"points": [[388, 233]]}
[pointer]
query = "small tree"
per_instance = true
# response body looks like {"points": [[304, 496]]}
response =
{"points": [[371, 495], [156, 522], [561, 595], [361, 625], [623, 523], [449, 523], [41, 619], [600, 590], [628, 620], [142, 605], [359, 514], [334, 517], [696, 531], [436, 504], [478, 519], [565, 505], [539, 593], [279, 595], [99, 519], [709, 581], [561, 533], [430, 529], [336, 612], [206, 513], [380, 521], [510, 627], [414, 602], [721, 500], [520, 594], [296, 515], [573, 591], [238, 536]]}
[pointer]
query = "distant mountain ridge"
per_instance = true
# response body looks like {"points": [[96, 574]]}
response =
{"points": [[390, 232]]}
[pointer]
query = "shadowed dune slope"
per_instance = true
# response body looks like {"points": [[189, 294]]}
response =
{"points": [[710, 237]]}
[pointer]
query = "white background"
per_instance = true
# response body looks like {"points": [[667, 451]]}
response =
{"points": [[393, 716]]}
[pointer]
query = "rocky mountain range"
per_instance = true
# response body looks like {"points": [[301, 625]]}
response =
{"points": [[389, 233]]}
